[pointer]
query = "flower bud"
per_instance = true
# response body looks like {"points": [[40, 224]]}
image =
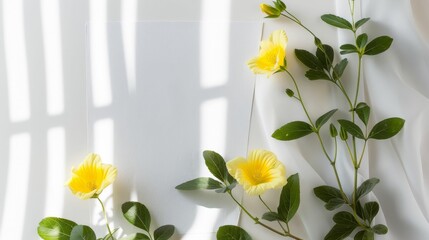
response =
{"points": [[333, 130], [281, 6], [289, 92], [343, 134], [270, 11]]}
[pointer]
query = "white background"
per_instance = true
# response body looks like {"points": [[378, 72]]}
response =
{"points": [[43, 121]]}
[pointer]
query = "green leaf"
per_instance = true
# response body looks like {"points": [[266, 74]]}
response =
{"points": [[339, 68], [325, 56], [200, 183], [359, 209], [380, 229], [333, 130], [324, 118], [334, 203], [366, 187], [164, 232], [136, 236], [339, 232], [308, 59], [337, 21], [227, 188], [345, 218], [361, 22], [137, 214], [292, 130], [313, 74], [229, 232], [289, 198], [217, 166], [108, 235], [368, 235], [370, 210], [359, 235], [326, 193], [271, 216], [387, 128], [52, 228], [351, 128], [378, 45], [361, 40], [364, 235], [363, 111], [82, 232], [348, 48]]}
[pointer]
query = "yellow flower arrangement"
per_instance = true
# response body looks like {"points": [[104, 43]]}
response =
{"points": [[91, 177], [272, 55], [259, 173]]}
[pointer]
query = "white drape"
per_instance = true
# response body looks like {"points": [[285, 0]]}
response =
{"points": [[395, 83]]}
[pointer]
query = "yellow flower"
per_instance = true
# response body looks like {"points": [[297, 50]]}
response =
{"points": [[260, 172], [272, 54], [269, 10], [91, 177]]}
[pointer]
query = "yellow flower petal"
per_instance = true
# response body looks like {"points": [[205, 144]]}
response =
{"points": [[259, 172], [272, 54], [91, 177]]}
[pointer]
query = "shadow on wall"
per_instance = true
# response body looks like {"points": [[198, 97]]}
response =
{"points": [[170, 111], [45, 123]]}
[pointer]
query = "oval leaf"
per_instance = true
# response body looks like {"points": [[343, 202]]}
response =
{"points": [[136, 236], [334, 204], [359, 235], [229, 232], [324, 118], [339, 68], [164, 232], [386, 128], [361, 22], [200, 183], [363, 111], [317, 75], [366, 187], [137, 214], [271, 216], [361, 40], [325, 56], [380, 229], [339, 232], [345, 218], [378, 45], [368, 235], [308, 59], [327, 193], [293, 130], [217, 166], [82, 232], [52, 228], [370, 210], [289, 198], [337, 21], [348, 48], [352, 128]]}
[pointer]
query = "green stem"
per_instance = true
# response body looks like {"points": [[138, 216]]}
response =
{"points": [[318, 136], [269, 209], [300, 97], [105, 217], [256, 220]]}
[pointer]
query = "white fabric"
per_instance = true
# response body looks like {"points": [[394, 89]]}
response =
{"points": [[395, 83]]}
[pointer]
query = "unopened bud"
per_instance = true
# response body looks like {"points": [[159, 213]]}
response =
{"points": [[270, 11], [289, 92]]}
